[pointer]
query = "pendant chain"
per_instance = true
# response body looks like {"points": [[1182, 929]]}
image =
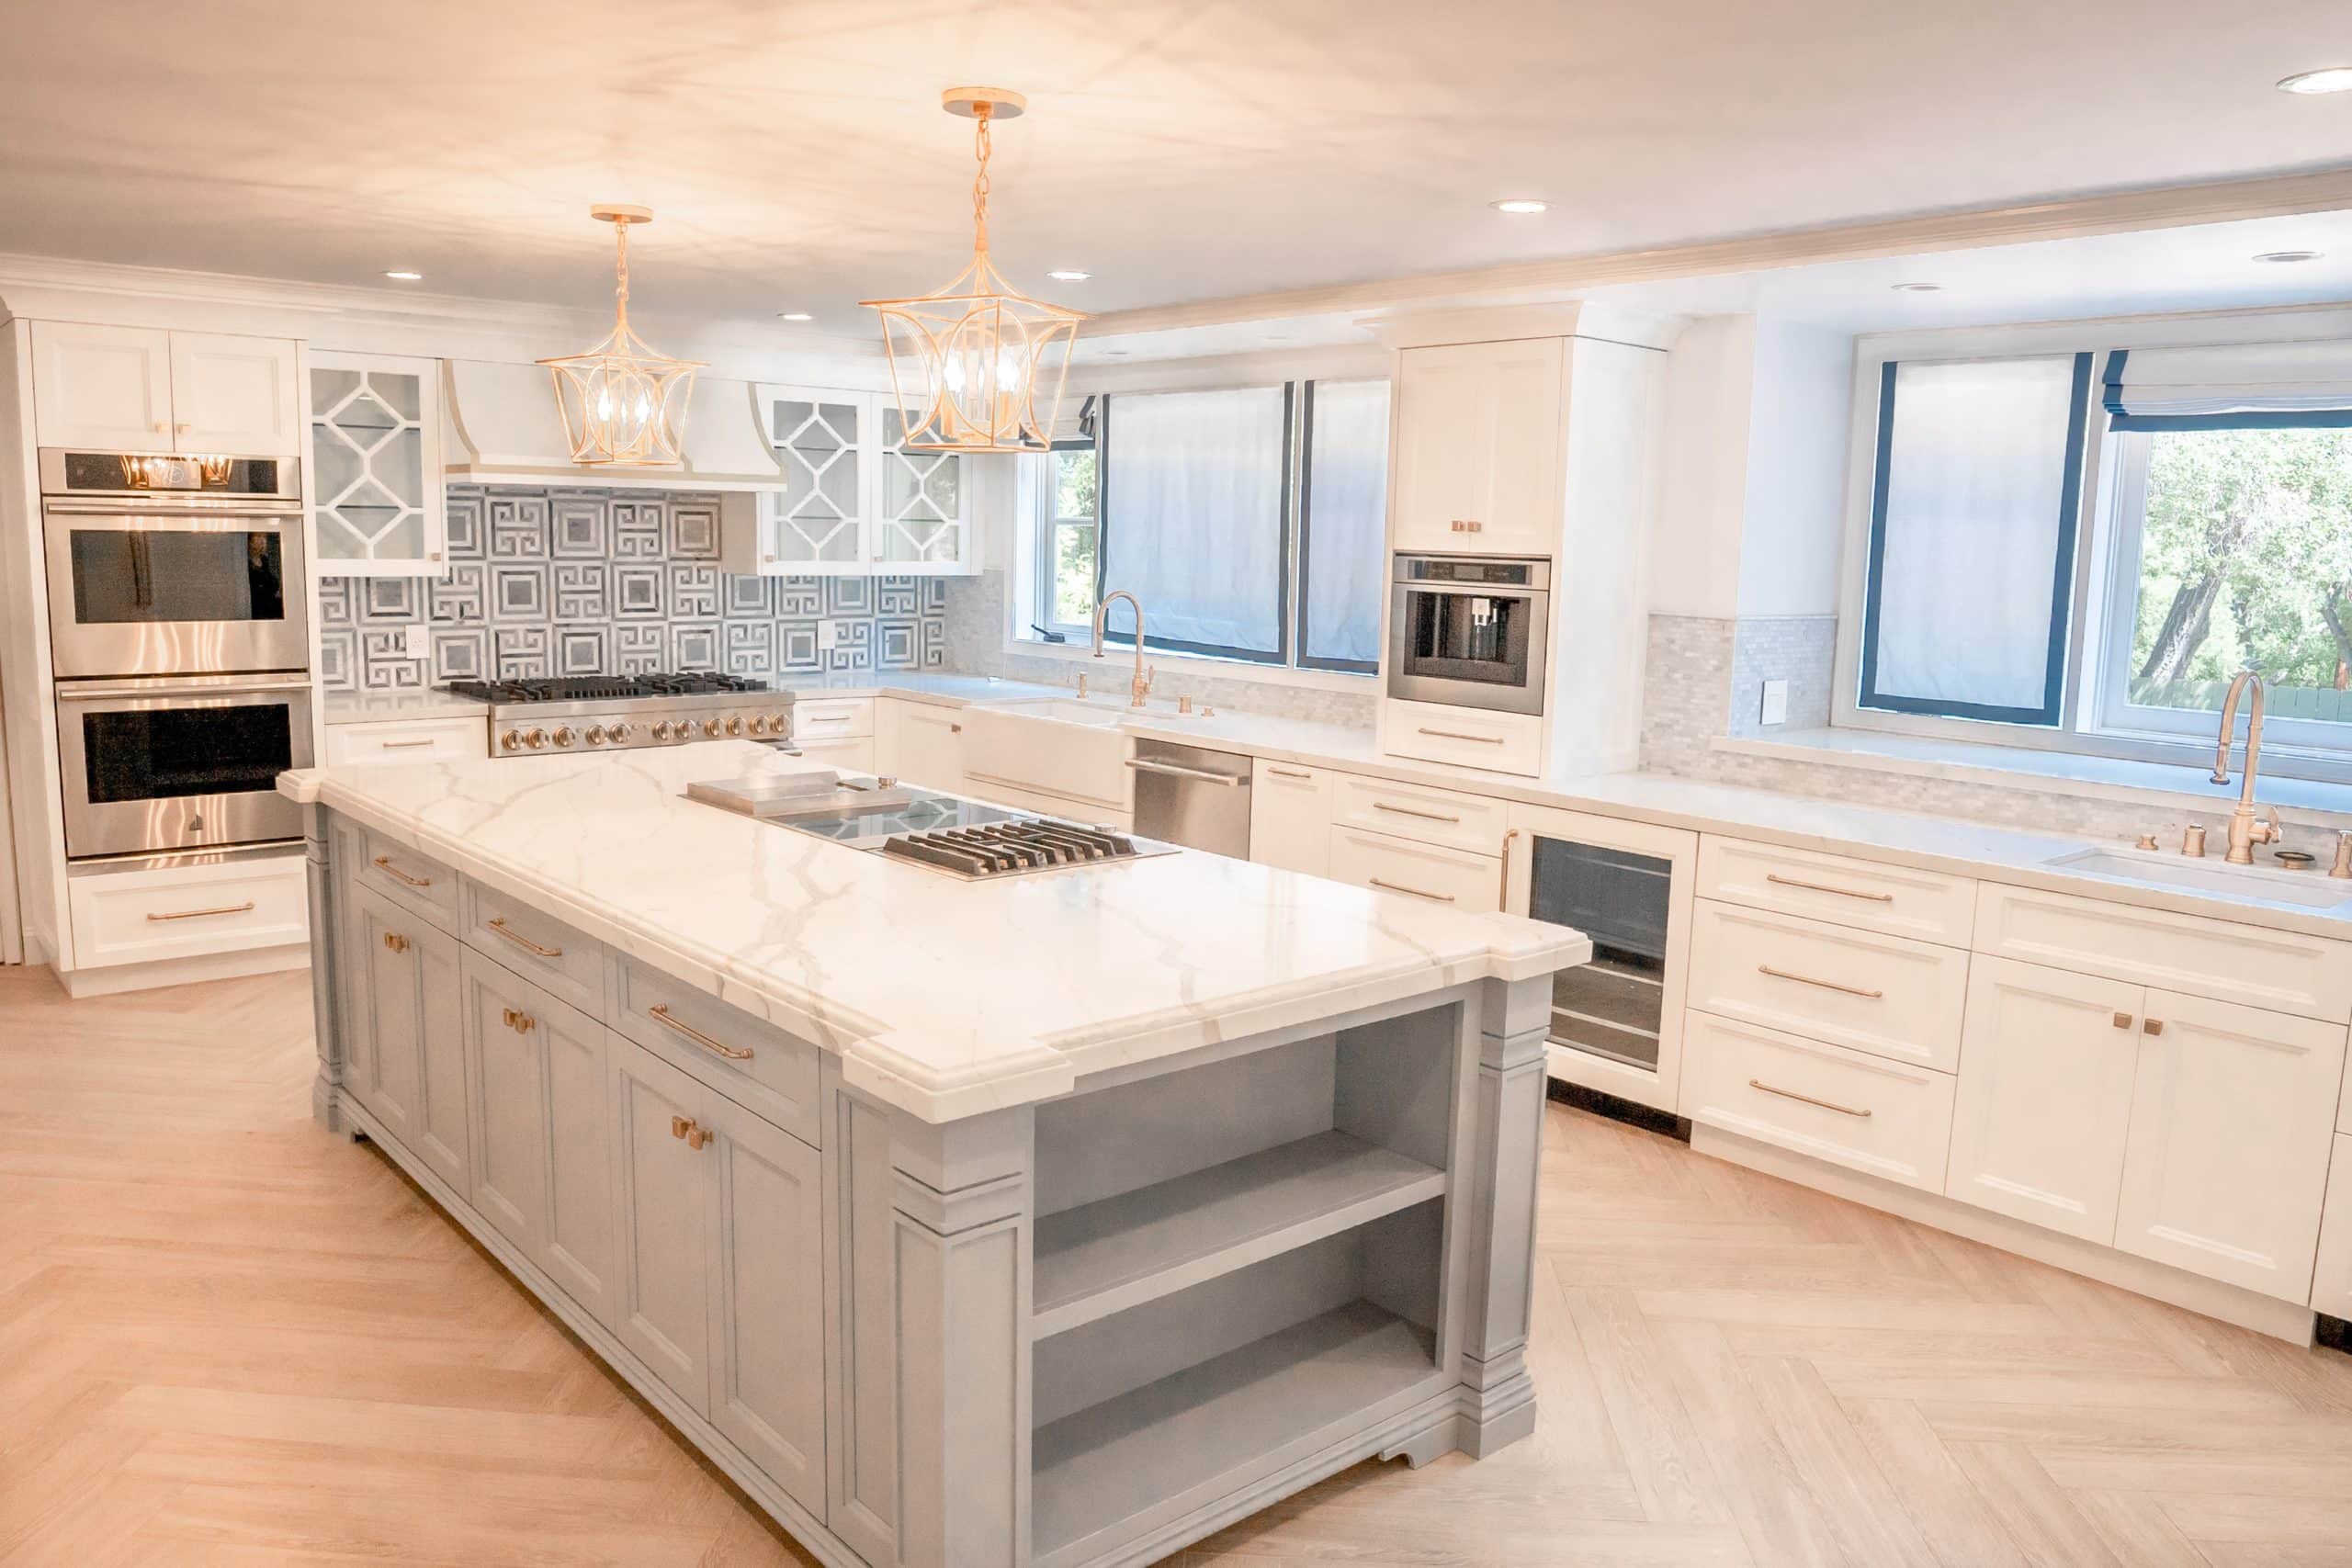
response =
{"points": [[620, 290], [980, 181]]}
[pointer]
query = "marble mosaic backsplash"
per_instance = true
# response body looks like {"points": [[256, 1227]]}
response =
{"points": [[544, 583]]}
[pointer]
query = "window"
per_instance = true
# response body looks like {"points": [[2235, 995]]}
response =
{"points": [[1199, 504]]}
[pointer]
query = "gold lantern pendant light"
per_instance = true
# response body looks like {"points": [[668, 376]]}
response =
{"points": [[624, 406], [984, 361]]}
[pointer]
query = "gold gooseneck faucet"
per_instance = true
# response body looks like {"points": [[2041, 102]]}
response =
{"points": [[1141, 685], [2246, 829]]}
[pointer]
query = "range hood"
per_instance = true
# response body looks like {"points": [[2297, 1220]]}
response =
{"points": [[500, 426]]}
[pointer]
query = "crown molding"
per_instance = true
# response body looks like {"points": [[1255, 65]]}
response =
{"points": [[2168, 207]]}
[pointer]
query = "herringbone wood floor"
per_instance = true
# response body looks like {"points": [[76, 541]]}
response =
{"points": [[229, 1339]]}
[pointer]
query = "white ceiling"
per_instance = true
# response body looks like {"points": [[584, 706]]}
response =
{"points": [[1182, 150]]}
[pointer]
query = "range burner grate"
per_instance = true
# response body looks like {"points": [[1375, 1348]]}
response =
{"points": [[602, 688], [1007, 849]]}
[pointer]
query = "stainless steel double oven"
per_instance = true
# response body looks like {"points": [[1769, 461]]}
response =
{"points": [[181, 643]]}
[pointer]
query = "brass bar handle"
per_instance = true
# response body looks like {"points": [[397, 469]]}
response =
{"points": [[1824, 887], [1416, 892], [1288, 772], [384, 863], [403, 746], [1825, 985], [396, 942], [1457, 735], [1502, 894], [1409, 811], [526, 943], [244, 907], [660, 1013], [1809, 1100]]}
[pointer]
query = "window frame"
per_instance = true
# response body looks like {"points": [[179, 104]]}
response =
{"points": [[1304, 507], [1045, 523]]}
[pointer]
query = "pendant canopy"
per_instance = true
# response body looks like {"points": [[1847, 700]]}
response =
{"points": [[623, 405], [978, 366]]}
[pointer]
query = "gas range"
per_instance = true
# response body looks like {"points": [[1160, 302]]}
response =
{"points": [[608, 713]]}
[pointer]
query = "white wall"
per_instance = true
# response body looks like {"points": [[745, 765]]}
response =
{"points": [[1695, 553], [1794, 495]]}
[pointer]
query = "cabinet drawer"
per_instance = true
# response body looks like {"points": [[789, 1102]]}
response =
{"points": [[1472, 738], [536, 946], [1415, 811], [832, 718], [407, 740], [1886, 994], [853, 754], [2278, 970], [132, 917], [1290, 817], [1927, 905], [1888, 1119], [996, 792], [748, 1060], [2332, 1283], [1424, 872], [411, 879]]}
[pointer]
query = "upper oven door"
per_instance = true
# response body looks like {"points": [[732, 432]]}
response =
{"points": [[151, 766], [1476, 648], [180, 589]]}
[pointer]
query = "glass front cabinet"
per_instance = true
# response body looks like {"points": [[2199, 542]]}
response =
{"points": [[374, 479], [853, 501], [1617, 1022]]}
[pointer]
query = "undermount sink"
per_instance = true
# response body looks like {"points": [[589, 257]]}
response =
{"points": [[1101, 716], [2312, 889]]}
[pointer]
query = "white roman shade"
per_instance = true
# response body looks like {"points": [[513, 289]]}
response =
{"points": [[2272, 384]]}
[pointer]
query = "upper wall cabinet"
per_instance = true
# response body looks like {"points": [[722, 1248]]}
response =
{"points": [[144, 390], [376, 491], [1478, 453], [853, 501]]}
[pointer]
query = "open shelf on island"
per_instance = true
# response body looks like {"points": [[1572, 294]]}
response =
{"points": [[1109, 1461], [1119, 1252]]}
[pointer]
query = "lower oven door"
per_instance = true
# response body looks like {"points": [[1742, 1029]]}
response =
{"points": [[149, 766]]}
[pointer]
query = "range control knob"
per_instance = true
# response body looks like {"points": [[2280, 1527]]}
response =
{"points": [[660, 729], [734, 724], [535, 739], [596, 735], [710, 727], [780, 723], [565, 735], [759, 725], [618, 734], [510, 740]]}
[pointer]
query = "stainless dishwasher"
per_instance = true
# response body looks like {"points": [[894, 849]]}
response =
{"points": [[1192, 797]]}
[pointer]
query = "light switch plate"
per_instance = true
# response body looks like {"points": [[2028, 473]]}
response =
{"points": [[1776, 703], [829, 634], [419, 643]]}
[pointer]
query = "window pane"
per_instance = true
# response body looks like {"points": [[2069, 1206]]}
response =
{"points": [[1192, 509], [1974, 514], [1070, 537], [2245, 561], [1346, 524]]}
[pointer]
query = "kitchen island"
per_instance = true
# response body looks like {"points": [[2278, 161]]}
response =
{"points": [[1053, 1220]]}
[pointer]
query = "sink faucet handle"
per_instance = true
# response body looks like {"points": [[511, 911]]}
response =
{"points": [[2343, 866], [2272, 831], [2192, 839]]}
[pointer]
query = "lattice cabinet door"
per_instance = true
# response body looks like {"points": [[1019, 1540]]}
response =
{"points": [[376, 477], [923, 521], [817, 521]]}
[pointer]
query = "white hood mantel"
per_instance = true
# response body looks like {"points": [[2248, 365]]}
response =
{"points": [[500, 426]]}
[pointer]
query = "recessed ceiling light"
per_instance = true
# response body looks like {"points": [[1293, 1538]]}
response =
{"points": [[1520, 204], [1114, 354], [794, 316], [2282, 257], [1068, 274], [2327, 79], [1918, 287], [404, 275]]}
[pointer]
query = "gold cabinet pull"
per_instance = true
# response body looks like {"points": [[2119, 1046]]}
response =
{"points": [[396, 942], [1791, 1094], [384, 863], [694, 1134], [2151, 1026], [2122, 1020], [1410, 811], [245, 908], [526, 943], [660, 1013], [1825, 985], [403, 746], [520, 1023], [1824, 887], [1502, 894], [1288, 772], [1416, 892], [1457, 735], [678, 1125]]}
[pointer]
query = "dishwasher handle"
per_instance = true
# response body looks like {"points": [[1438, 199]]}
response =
{"points": [[1175, 770]]}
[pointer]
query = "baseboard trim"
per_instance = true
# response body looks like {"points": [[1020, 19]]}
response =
{"points": [[115, 978], [2230, 1304]]}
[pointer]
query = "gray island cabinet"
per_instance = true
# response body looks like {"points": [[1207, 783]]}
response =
{"points": [[1082, 1296]]}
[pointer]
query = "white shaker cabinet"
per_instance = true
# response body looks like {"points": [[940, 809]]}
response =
{"points": [[1479, 433], [2331, 1279], [405, 1060], [2233, 1114], [919, 742], [2047, 1060], [236, 394], [143, 390], [1290, 817], [376, 470], [661, 1277]]}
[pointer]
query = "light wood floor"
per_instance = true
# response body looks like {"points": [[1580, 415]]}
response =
{"points": [[229, 1339]]}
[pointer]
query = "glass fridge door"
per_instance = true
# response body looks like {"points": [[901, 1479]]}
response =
{"points": [[1615, 1006]]}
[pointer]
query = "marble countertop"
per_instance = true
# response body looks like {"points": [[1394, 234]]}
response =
{"points": [[414, 701], [943, 997]]}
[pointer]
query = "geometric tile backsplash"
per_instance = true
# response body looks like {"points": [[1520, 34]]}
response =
{"points": [[600, 583]]}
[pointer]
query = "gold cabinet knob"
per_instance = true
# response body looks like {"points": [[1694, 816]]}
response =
{"points": [[678, 1125], [396, 942], [697, 1135]]}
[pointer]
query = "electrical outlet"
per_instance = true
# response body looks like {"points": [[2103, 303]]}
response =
{"points": [[829, 634], [1776, 703], [419, 644]]}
